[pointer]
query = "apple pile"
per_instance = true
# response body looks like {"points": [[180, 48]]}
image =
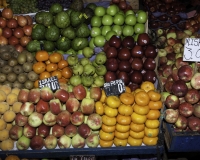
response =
{"points": [[130, 60], [88, 70], [180, 81], [110, 21], [59, 119]]}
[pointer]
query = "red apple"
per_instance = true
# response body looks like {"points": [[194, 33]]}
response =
{"points": [[87, 106], [63, 118], [77, 118], [84, 130], [27, 108], [79, 91], [49, 119], [179, 88], [23, 95], [72, 105], [94, 121], [172, 101], [50, 142], [194, 123], [95, 93], [29, 131], [181, 122], [64, 142], [171, 115], [57, 130], [62, 95], [35, 119], [71, 130], [55, 106], [34, 95], [92, 140], [192, 96], [21, 120], [46, 94], [186, 109], [43, 130], [37, 143], [42, 106], [185, 73], [195, 81], [78, 141], [15, 132]]}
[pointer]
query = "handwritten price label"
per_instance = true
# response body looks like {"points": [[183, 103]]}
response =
{"points": [[192, 49]]}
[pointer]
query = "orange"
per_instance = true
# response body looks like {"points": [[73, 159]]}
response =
{"points": [[103, 96], [109, 121], [137, 127], [142, 110], [137, 90], [154, 95], [121, 135], [149, 132], [113, 101], [56, 73], [107, 129], [63, 80], [125, 110], [150, 141], [127, 98], [122, 128], [134, 142], [127, 89], [142, 98], [147, 86], [51, 67], [123, 120], [120, 142], [153, 114], [55, 57], [67, 72], [111, 112], [103, 143], [155, 104], [152, 123], [41, 55], [137, 135], [44, 75], [106, 136], [36, 84], [99, 108], [39, 67], [62, 64], [137, 118]]}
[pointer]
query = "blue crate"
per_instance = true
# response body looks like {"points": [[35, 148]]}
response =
{"points": [[181, 141]]}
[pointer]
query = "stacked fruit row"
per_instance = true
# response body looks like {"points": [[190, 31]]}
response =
{"points": [[130, 118], [9, 108], [61, 119], [179, 79]]}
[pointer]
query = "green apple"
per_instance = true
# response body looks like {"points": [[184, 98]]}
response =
{"points": [[139, 28], [95, 31], [105, 29], [118, 19], [95, 21], [107, 20], [110, 34], [88, 52], [100, 11], [117, 29], [127, 30], [99, 41]]}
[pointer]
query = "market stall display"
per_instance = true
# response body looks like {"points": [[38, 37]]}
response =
{"points": [[98, 68]]}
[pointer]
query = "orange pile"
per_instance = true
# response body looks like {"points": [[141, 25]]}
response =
{"points": [[48, 65], [131, 118]]}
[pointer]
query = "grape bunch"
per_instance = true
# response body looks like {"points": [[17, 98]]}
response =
{"points": [[23, 6], [45, 4]]}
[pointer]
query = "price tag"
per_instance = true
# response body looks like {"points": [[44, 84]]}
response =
{"points": [[115, 87], [192, 49], [83, 157], [51, 82]]}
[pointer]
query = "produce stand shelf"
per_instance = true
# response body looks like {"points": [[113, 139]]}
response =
{"points": [[111, 151], [181, 141]]}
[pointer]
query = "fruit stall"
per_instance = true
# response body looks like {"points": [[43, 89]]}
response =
{"points": [[81, 78]]}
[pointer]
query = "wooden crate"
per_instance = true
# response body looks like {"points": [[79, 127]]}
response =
{"points": [[134, 3]]}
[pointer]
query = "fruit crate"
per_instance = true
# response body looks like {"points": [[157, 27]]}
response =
{"points": [[181, 141], [134, 3]]}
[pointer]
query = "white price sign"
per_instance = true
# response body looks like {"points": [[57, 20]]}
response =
{"points": [[192, 49]]}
